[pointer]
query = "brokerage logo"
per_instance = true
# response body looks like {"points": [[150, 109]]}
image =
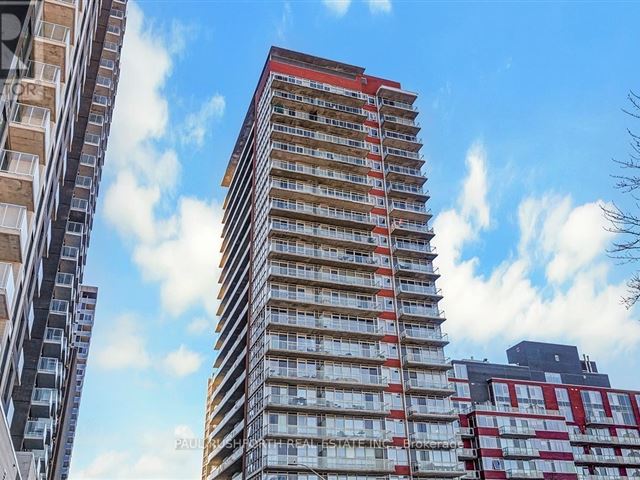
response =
{"points": [[12, 15]]}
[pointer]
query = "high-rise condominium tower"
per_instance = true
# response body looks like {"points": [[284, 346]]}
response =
{"points": [[60, 73], [331, 361]]}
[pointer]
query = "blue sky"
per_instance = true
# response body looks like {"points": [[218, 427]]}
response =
{"points": [[521, 113]]}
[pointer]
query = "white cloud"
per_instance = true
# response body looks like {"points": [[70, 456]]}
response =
{"points": [[197, 124], [200, 325], [124, 346], [185, 261], [567, 242], [178, 247], [182, 362], [337, 7], [285, 21], [149, 455], [379, 6]]}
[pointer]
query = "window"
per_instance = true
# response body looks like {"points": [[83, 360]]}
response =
{"points": [[529, 396], [552, 377], [460, 371], [501, 394], [564, 404], [621, 408], [593, 406]]}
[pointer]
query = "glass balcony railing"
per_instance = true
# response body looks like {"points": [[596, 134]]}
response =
{"points": [[319, 375], [20, 164], [418, 289], [520, 452], [320, 154], [323, 276], [417, 267], [327, 404], [432, 410], [14, 218], [329, 349], [524, 473], [319, 136], [44, 72], [396, 104], [365, 327], [331, 463], [48, 365], [37, 428], [321, 87], [332, 122], [406, 188], [318, 102], [413, 172], [31, 116], [424, 334], [347, 235], [53, 31], [411, 226], [396, 152], [429, 385], [54, 335], [410, 207], [401, 136], [319, 253], [321, 172], [425, 466], [400, 120], [321, 211], [420, 311], [326, 300], [329, 432], [426, 359], [418, 247], [428, 437], [325, 192]]}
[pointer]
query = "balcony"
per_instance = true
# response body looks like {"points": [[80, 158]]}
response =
{"points": [[412, 211], [404, 158], [418, 290], [316, 212], [400, 124], [471, 475], [524, 474], [420, 230], [515, 452], [339, 464], [331, 125], [69, 259], [424, 335], [293, 190], [319, 140], [54, 343], [466, 432], [63, 287], [323, 404], [312, 88], [61, 12], [19, 179], [42, 402], [353, 327], [415, 269], [58, 313], [467, 454], [29, 131], [331, 235], [295, 375], [401, 141], [411, 191], [362, 353], [599, 419], [316, 157], [424, 386], [49, 372], [226, 463], [37, 433], [318, 105], [425, 360], [336, 300], [432, 412], [52, 45], [335, 178], [398, 173], [433, 440], [304, 274], [612, 460], [420, 312], [437, 469], [14, 232], [325, 256], [397, 108], [516, 431], [41, 87], [328, 433]]}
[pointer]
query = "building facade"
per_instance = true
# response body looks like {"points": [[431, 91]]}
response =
{"points": [[55, 113], [331, 361], [547, 414]]}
